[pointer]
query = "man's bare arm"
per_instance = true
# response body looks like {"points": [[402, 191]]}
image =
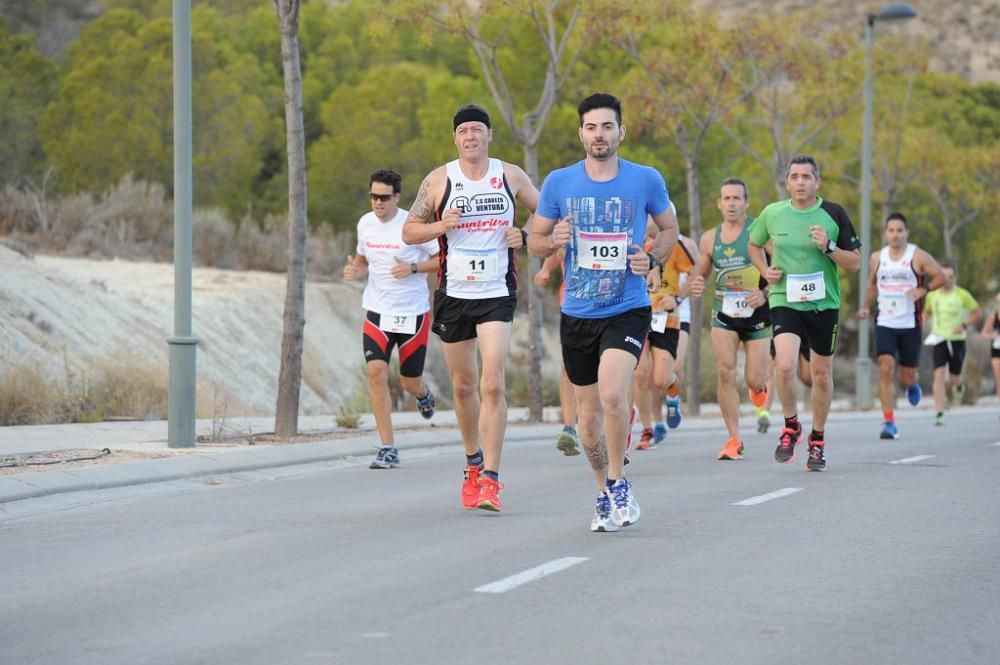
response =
{"points": [[420, 225]]}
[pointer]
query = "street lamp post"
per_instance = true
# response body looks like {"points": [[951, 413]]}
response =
{"points": [[183, 344], [862, 377]]}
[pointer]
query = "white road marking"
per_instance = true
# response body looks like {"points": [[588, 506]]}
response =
{"points": [[911, 460], [997, 444], [777, 494], [530, 575]]}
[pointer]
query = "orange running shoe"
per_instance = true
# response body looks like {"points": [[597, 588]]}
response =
{"points": [[759, 399], [646, 440], [470, 487], [489, 494], [732, 450]]}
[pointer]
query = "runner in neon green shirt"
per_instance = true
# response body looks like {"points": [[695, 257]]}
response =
{"points": [[811, 238], [951, 309]]}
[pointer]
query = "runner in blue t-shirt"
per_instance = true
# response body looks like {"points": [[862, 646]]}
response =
{"points": [[597, 209]]}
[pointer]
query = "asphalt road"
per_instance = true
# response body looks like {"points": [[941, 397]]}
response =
{"points": [[891, 556]]}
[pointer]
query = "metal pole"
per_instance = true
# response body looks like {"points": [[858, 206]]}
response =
{"points": [[862, 379], [181, 406]]}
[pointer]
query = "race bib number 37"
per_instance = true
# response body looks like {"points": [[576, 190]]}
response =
{"points": [[805, 288], [406, 325], [602, 251]]}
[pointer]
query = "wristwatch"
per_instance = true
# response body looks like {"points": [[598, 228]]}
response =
{"points": [[831, 247], [413, 268]]}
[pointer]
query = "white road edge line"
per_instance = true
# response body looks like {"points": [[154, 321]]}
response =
{"points": [[911, 460], [777, 494], [530, 575]]}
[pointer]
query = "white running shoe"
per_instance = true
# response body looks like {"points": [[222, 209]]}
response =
{"points": [[602, 515], [624, 507]]}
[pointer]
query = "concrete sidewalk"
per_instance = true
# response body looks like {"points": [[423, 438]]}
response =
{"points": [[206, 459]]}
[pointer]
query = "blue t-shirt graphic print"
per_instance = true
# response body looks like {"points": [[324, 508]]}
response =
{"points": [[608, 217]]}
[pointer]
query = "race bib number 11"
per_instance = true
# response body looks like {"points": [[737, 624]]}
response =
{"points": [[472, 265]]}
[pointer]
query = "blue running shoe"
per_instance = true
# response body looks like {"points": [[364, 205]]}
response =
{"points": [[426, 405], [624, 507], [602, 515], [568, 441], [386, 458], [914, 393], [673, 412], [659, 434], [889, 431]]}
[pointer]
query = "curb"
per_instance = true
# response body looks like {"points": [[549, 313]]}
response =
{"points": [[46, 483]]}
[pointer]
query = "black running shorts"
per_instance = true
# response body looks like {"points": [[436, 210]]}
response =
{"points": [[951, 354], [902, 343], [666, 340], [584, 340], [817, 329], [455, 319]]}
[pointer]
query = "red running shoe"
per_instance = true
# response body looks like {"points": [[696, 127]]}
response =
{"points": [[470, 487], [489, 494], [646, 440]]}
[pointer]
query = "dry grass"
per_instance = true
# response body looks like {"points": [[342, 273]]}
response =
{"points": [[134, 220], [113, 388]]}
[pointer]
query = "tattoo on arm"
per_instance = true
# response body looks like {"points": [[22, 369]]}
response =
{"points": [[421, 208], [598, 455]]}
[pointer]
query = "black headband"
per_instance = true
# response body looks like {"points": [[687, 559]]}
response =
{"points": [[471, 114]]}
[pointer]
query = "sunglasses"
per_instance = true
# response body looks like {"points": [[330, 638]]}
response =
{"points": [[381, 197]]}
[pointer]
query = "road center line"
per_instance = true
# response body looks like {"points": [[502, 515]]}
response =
{"points": [[911, 460], [530, 575], [777, 494]]}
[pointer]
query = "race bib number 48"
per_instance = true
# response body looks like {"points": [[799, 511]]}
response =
{"points": [[805, 288], [472, 265], [602, 251]]}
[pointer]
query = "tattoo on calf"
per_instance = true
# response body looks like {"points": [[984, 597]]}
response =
{"points": [[598, 455]]}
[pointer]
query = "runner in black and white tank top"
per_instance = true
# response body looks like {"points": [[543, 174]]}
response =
{"points": [[894, 278], [476, 260]]}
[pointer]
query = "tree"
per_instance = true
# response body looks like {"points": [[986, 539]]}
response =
{"points": [[683, 87], [290, 375], [372, 133], [27, 82], [497, 33], [112, 115], [798, 85]]}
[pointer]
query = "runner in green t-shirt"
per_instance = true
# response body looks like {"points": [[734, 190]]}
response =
{"points": [[951, 309], [810, 239]]}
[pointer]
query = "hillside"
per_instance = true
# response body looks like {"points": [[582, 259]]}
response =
{"points": [[83, 317], [965, 36]]}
